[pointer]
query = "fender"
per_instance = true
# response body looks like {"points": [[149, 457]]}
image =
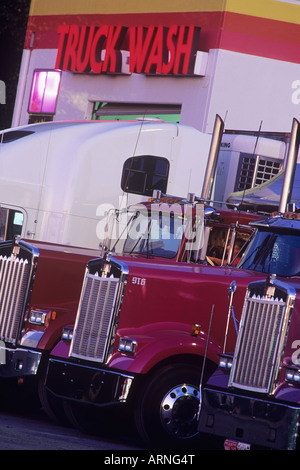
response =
{"points": [[163, 349], [161, 341], [287, 393], [153, 346], [61, 350], [56, 319]]}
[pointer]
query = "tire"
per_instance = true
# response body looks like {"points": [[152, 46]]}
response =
{"points": [[82, 417], [92, 420], [167, 408], [52, 405]]}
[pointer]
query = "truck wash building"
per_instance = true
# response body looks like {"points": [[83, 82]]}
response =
{"points": [[181, 61]]}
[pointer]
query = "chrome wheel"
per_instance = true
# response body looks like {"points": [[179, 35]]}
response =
{"points": [[167, 408], [179, 409]]}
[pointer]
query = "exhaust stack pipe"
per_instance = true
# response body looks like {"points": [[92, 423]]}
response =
{"points": [[212, 158], [290, 167]]}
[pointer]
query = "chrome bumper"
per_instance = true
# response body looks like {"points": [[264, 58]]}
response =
{"points": [[18, 362], [263, 423], [87, 384]]}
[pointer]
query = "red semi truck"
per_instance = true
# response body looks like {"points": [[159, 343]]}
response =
{"points": [[147, 335], [141, 332], [253, 399]]}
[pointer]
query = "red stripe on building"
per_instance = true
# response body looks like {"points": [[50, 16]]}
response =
{"points": [[46, 37], [262, 27], [261, 37], [262, 48], [229, 31]]}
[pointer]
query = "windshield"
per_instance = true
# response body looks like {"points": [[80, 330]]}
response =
{"points": [[158, 235], [273, 253], [157, 232]]}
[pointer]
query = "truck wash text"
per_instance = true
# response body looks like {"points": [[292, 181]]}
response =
{"points": [[152, 49]]}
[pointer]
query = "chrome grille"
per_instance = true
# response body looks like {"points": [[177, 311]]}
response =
{"points": [[261, 336], [94, 319], [14, 279]]}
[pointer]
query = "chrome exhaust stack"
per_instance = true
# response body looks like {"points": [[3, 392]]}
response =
{"points": [[290, 167], [212, 158]]}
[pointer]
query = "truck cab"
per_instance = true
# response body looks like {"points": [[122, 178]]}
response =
{"points": [[179, 230]]}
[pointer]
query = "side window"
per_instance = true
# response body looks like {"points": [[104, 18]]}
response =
{"points": [[217, 242], [143, 174], [225, 244], [11, 223], [240, 242]]}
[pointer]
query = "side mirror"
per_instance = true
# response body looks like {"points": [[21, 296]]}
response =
{"points": [[231, 289]]}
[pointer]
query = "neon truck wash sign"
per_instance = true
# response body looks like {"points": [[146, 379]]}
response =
{"points": [[150, 50]]}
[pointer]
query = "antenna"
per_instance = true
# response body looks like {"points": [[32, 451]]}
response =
{"points": [[204, 361], [141, 120], [231, 291]]}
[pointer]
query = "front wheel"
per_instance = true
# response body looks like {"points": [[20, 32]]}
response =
{"points": [[52, 405], [167, 409]]}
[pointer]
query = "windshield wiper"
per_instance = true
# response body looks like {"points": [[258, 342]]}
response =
{"points": [[132, 218], [257, 251]]}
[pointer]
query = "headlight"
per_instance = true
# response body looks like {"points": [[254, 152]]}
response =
{"points": [[292, 376], [37, 317], [67, 334], [225, 362], [127, 345]]}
